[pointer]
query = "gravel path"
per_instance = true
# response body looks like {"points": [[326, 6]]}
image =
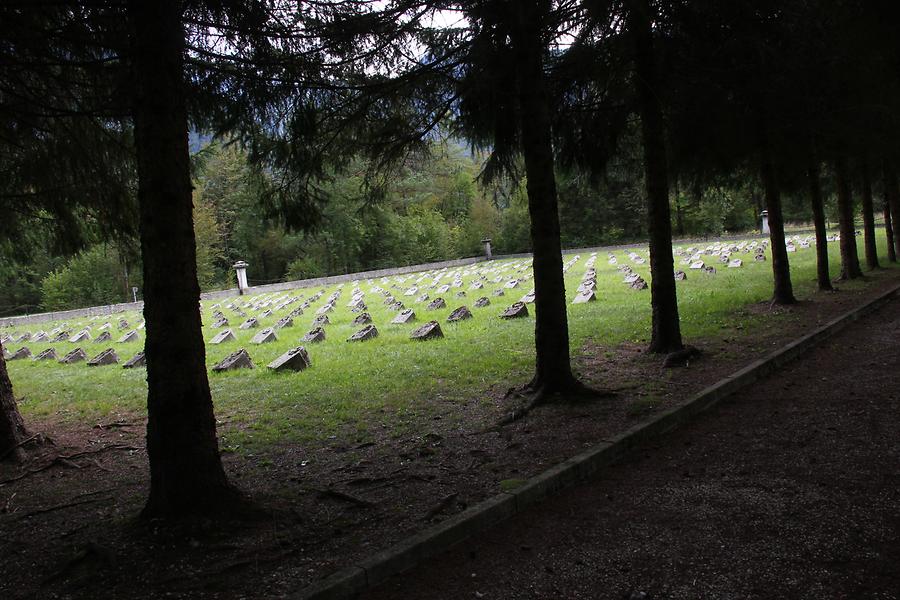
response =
{"points": [[789, 490]]}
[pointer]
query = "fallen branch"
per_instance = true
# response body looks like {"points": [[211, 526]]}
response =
{"points": [[338, 495], [56, 507], [443, 505]]}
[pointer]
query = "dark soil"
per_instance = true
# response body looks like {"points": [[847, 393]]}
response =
{"points": [[788, 490], [70, 530]]}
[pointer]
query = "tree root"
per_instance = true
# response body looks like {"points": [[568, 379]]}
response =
{"points": [[539, 395], [67, 460]]}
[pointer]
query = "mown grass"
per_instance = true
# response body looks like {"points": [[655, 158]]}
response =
{"points": [[392, 381]]}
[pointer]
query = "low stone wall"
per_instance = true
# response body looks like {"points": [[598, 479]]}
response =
{"points": [[77, 313], [325, 281]]}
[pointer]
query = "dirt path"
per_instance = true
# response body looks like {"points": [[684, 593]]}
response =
{"points": [[790, 490]]}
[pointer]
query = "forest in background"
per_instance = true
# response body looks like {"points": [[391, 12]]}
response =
{"points": [[434, 208]]}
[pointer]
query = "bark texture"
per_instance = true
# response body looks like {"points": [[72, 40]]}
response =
{"points": [[889, 233], [186, 474], [553, 372], [868, 214], [781, 268], [892, 198], [849, 256], [12, 427], [818, 209], [666, 327]]}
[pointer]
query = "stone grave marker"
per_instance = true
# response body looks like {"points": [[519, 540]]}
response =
{"points": [[680, 276], [436, 304], [104, 327], [226, 335], [219, 323], [48, 354], [321, 320], [584, 296], [429, 331], [314, 336], [239, 359], [362, 319], [366, 333], [528, 298], [138, 360], [21, 353], [709, 270], [482, 302], [498, 292], [404, 316], [461, 294], [39, 337], [265, 336], [443, 289], [103, 337], [326, 308], [107, 357], [697, 265], [141, 325], [284, 322], [265, 313], [512, 283], [76, 355], [83, 336], [250, 323], [639, 284], [131, 336], [515, 311], [295, 359], [735, 263], [460, 314]]}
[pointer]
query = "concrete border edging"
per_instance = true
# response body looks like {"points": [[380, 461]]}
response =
{"points": [[376, 569]]}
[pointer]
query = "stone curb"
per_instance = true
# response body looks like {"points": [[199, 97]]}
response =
{"points": [[410, 552]]}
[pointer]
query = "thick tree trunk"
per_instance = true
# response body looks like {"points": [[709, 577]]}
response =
{"points": [[553, 370], [868, 219], [892, 198], [186, 474], [12, 427], [818, 209], [849, 256], [781, 268], [889, 232], [666, 328]]}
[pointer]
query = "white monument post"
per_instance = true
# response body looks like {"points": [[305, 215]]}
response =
{"points": [[764, 219], [240, 267], [487, 248]]}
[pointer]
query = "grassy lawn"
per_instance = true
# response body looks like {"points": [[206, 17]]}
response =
{"points": [[393, 379]]}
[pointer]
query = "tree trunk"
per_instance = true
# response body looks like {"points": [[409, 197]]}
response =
{"points": [[849, 256], [818, 209], [186, 474], [666, 328], [553, 370], [868, 219], [781, 268], [892, 198], [12, 427], [889, 232], [679, 216]]}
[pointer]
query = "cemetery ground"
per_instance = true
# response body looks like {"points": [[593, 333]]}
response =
{"points": [[377, 440]]}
